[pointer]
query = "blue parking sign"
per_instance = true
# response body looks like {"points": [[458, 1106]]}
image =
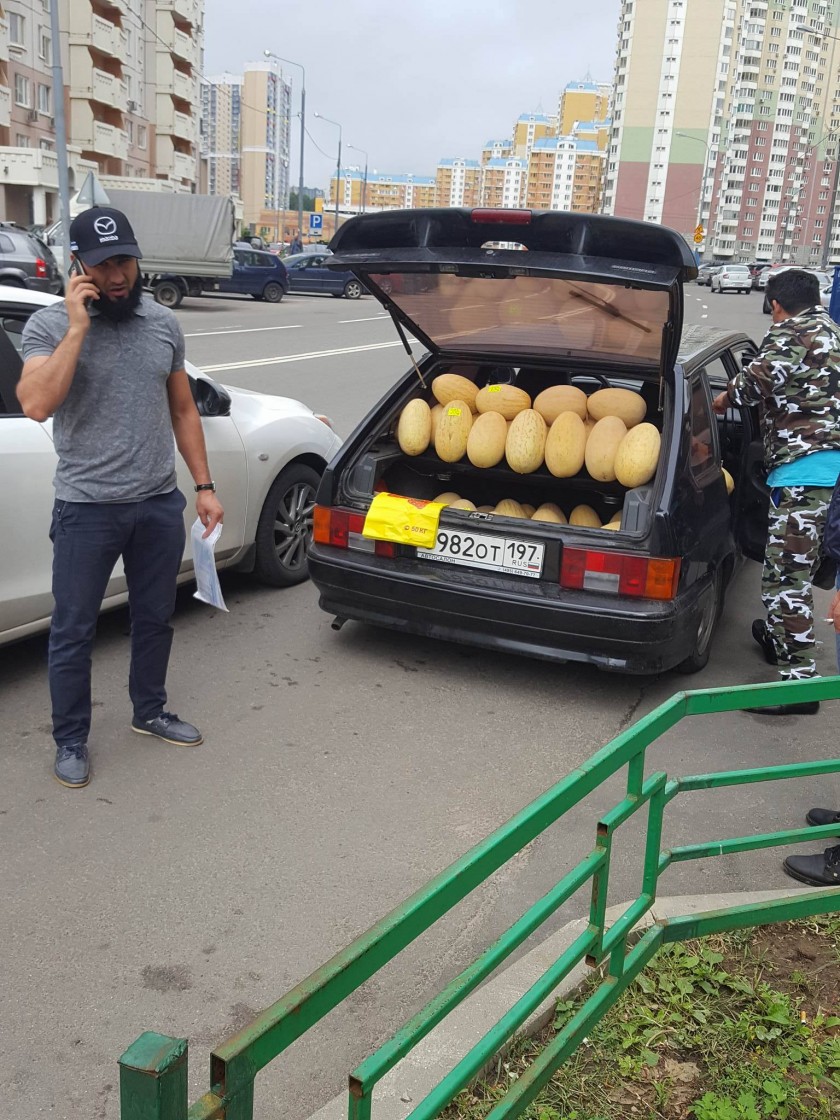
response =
{"points": [[316, 223]]}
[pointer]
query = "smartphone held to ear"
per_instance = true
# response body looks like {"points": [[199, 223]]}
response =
{"points": [[75, 268]]}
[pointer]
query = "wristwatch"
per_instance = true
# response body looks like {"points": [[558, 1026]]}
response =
{"points": [[205, 486]]}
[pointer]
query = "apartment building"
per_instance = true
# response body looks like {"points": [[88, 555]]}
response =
{"points": [[565, 173], [503, 183], [381, 191], [582, 101], [221, 115], [528, 129], [458, 182], [496, 149], [131, 94], [265, 131]]}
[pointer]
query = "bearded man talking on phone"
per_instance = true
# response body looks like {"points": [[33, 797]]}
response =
{"points": [[108, 365]]}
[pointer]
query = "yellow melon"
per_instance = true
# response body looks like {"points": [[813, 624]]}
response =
{"points": [[486, 441], [453, 430], [529, 509], [437, 412], [548, 511], [447, 498], [414, 427], [638, 456], [560, 398], [463, 503], [623, 403], [525, 443], [729, 480], [509, 508], [585, 517], [449, 387], [504, 399], [602, 448], [485, 509], [611, 525], [565, 445]]}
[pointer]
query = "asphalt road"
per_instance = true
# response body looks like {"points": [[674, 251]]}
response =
{"points": [[184, 890]]}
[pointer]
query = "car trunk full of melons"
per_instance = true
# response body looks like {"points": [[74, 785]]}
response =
{"points": [[541, 419]]}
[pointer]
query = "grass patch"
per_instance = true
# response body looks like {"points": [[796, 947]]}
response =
{"points": [[739, 1027]]}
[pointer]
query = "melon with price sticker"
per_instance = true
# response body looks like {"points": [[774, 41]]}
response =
{"points": [[525, 444], [585, 517], [453, 430], [508, 507], [638, 456], [414, 427], [623, 403], [486, 441], [560, 398], [565, 445], [504, 399], [602, 448], [448, 387]]}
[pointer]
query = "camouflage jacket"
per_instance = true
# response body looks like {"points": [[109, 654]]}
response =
{"points": [[795, 377]]}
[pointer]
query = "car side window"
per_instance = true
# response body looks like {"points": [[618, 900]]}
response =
{"points": [[704, 459], [6, 244], [11, 364]]}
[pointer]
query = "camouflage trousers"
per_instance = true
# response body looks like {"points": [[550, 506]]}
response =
{"points": [[793, 546]]}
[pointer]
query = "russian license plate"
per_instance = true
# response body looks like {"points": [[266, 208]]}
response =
{"points": [[495, 554]]}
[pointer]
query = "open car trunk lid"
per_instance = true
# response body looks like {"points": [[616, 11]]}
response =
{"points": [[522, 283]]}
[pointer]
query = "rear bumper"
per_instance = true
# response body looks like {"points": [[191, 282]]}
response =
{"points": [[639, 637]]}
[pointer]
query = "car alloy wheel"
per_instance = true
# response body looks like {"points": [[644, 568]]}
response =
{"points": [[284, 533], [352, 289]]}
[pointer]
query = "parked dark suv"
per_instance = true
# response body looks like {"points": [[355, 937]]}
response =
{"points": [[27, 262]]}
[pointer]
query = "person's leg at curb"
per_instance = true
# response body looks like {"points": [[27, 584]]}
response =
{"points": [[152, 560]]}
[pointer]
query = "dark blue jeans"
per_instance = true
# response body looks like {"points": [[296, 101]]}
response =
{"points": [[88, 539]]}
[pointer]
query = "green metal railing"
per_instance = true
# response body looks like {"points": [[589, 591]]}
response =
{"points": [[153, 1071]]}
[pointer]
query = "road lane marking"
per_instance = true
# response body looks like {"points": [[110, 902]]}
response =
{"points": [[369, 319], [303, 357], [245, 330]]}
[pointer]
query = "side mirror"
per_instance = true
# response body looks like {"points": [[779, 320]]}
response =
{"points": [[211, 398]]}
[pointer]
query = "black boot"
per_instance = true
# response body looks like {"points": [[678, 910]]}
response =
{"points": [[818, 870], [762, 635], [817, 817]]}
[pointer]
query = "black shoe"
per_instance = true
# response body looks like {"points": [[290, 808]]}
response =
{"points": [[817, 817], [805, 708], [817, 871], [168, 727], [72, 765], [762, 635]]}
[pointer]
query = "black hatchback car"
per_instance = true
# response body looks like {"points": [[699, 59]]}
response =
{"points": [[592, 302]]}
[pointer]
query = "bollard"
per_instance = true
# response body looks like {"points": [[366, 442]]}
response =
{"points": [[153, 1078]]}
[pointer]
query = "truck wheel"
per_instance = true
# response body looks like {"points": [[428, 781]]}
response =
{"points": [[352, 289], [273, 292], [168, 294], [284, 531]]}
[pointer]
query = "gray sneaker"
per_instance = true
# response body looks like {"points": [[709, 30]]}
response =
{"points": [[168, 727], [72, 765]]}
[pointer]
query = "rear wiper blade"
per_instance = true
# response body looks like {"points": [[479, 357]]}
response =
{"points": [[602, 305]]}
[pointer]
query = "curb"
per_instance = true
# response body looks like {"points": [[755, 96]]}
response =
{"points": [[398, 1092]]}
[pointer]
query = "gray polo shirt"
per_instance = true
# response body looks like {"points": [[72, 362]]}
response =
{"points": [[113, 432]]}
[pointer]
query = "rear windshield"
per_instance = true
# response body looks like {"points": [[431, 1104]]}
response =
{"points": [[532, 315]]}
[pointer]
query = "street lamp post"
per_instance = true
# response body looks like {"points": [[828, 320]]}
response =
{"points": [[364, 181], [321, 117], [706, 162], [289, 62]]}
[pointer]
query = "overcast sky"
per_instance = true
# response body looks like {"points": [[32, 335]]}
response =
{"points": [[413, 81]]}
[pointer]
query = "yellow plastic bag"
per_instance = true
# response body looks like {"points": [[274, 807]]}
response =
{"points": [[413, 521]]}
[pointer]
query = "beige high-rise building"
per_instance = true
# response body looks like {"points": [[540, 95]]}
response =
{"points": [[504, 183], [496, 149], [529, 128], [565, 173], [381, 191], [131, 96], [583, 101], [221, 112], [458, 182], [265, 134]]}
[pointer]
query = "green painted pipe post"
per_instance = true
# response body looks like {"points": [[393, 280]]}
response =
{"points": [[153, 1078]]}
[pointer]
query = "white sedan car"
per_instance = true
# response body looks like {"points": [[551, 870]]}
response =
{"points": [[732, 278], [267, 455]]}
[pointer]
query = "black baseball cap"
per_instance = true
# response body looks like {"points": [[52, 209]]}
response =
{"points": [[100, 233]]}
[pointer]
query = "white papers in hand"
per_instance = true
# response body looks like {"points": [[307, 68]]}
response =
{"points": [[204, 559]]}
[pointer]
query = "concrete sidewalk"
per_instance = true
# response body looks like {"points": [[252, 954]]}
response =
{"points": [[409, 1082]]}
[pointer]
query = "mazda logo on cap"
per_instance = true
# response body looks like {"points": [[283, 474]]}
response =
{"points": [[105, 226]]}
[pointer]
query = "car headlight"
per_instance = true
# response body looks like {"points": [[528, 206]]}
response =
{"points": [[324, 420]]}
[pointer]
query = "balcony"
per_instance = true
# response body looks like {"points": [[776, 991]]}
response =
{"points": [[4, 39], [104, 88], [5, 106], [100, 34], [182, 46], [109, 141], [183, 9], [29, 167], [183, 166], [176, 83]]}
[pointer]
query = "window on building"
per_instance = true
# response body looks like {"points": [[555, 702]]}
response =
{"points": [[44, 100], [142, 136], [22, 91], [22, 141], [45, 46], [17, 29], [45, 145]]}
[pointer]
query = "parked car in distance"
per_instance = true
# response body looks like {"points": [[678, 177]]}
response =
{"points": [[824, 278], [26, 261], [257, 274], [732, 278], [308, 274], [704, 273], [601, 306], [267, 454]]}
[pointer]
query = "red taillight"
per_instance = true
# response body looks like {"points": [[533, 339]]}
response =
{"points": [[619, 573], [340, 528], [502, 217], [40, 267]]}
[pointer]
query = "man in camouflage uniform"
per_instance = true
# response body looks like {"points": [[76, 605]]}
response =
{"points": [[795, 379]]}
